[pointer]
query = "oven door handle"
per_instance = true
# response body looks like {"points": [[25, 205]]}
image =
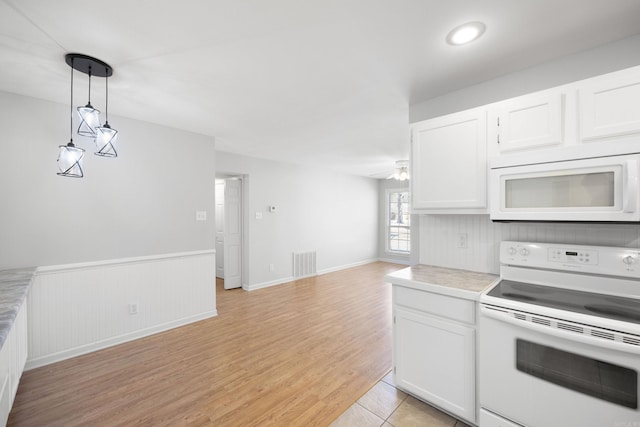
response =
{"points": [[503, 316]]}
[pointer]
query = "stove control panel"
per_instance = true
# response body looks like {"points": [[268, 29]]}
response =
{"points": [[561, 254], [588, 259]]}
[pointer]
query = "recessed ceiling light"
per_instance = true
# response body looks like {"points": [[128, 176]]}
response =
{"points": [[465, 33]]}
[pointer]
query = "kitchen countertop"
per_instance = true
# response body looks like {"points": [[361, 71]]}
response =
{"points": [[14, 287], [446, 281]]}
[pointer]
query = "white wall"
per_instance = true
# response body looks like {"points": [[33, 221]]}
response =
{"points": [[604, 59], [141, 203], [332, 213]]}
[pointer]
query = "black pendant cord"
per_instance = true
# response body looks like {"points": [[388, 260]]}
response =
{"points": [[71, 108], [89, 102], [106, 99]]}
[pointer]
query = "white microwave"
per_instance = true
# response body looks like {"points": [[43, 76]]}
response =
{"points": [[598, 189]]}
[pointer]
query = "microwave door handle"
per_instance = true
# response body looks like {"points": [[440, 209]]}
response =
{"points": [[630, 189]]}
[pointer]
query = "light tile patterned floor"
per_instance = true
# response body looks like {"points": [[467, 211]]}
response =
{"points": [[386, 406]]}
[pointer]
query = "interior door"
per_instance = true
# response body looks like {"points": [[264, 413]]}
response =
{"points": [[220, 229], [232, 233]]}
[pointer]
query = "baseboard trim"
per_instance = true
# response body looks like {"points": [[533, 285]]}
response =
{"points": [[395, 261], [113, 341], [345, 266], [268, 284], [320, 272]]}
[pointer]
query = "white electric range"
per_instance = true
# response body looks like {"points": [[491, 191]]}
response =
{"points": [[559, 337]]}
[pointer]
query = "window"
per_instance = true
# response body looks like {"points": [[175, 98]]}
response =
{"points": [[398, 222]]}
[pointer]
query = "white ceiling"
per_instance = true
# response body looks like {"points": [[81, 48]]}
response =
{"points": [[316, 82]]}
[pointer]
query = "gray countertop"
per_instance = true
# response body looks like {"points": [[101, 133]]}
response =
{"points": [[14, 287], [441, 280]]}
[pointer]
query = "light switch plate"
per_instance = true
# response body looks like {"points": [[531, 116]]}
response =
{"points": [[201, 215], [258, 215]]}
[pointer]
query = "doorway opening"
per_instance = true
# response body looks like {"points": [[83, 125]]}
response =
{"points": [[230, 196]]}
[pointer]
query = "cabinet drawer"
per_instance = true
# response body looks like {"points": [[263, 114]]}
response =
{"points": [[440, 305]]}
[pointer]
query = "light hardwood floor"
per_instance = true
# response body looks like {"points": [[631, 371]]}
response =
{"points": [[297, 354]]}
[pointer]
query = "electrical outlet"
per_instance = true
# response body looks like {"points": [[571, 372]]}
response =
{"points": [[133, 308], [462, 241], [272, 267], [201, 215]]}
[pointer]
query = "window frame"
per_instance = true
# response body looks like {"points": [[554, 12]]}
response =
{"points": [[387, 223]]}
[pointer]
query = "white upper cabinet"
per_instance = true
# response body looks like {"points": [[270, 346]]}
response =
{"points": [[449, 162], [609, 105], [449, 154], [529, 121]]}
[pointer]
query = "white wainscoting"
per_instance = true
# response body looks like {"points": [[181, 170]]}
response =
{"points": [[79, 308], [439, 238]]}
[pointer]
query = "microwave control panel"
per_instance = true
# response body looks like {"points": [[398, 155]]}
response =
{"points": [[587, 259]]}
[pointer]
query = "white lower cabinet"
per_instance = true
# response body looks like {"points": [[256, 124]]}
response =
{"points": [[434, 350], [13, 357]]}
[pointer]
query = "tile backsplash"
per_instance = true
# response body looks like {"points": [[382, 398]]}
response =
{"points": [[440, 238]]}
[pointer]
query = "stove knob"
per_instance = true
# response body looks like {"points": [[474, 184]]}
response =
{"points": [[524, 251], [512, 250], [629, 260]]}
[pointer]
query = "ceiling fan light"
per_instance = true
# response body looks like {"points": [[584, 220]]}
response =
{"points": [[70, 160], [89, 120], [105, 141]]}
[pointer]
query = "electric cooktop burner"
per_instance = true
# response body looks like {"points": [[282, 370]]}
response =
{"points": [[607, 306]]}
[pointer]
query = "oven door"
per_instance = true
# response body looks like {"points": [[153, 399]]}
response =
{"points": [[539, 376]]}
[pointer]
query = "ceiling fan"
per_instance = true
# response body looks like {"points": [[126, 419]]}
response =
{"points": [[401, 172]]}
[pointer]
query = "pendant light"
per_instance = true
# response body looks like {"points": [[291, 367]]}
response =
{"points": [[70, 156], [105, 135], [89, 116]]}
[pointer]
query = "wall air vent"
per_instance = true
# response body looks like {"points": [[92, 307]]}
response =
{"points": [[304, 264]]}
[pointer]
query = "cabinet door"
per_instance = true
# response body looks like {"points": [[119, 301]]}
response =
{"points": [[530, 121], [434, 360], [6, 395], [449, 162], [610, 105]]}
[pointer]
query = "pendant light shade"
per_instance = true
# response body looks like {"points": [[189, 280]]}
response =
{"points": [[70, 161], [105, 141], [89, 120], [105, 135], [89, 116]]}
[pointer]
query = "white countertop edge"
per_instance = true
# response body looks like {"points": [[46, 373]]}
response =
{"points": [[438, 289]]}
